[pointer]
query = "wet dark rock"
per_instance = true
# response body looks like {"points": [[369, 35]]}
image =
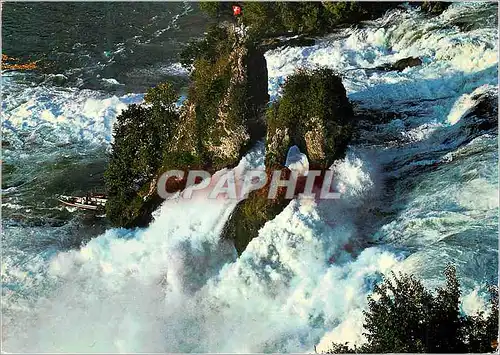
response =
{"points": [[484, 116], [401, 64], [435, 7], [486, 106], [481, 119]]}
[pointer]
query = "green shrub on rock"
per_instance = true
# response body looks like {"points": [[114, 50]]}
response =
{"points": [[314, 114], [209, 48], [227, 94]]}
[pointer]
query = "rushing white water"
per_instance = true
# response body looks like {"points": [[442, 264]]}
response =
{"points": [[417, 192], [59, 115]]}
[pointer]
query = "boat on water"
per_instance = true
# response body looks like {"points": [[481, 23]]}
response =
{"points": [[90, 202]]}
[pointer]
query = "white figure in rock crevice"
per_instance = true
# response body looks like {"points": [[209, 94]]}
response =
{"points": [[297, 161]]}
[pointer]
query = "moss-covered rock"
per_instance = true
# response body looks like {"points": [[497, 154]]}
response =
{"points": [[314, 114], [222, 117]]}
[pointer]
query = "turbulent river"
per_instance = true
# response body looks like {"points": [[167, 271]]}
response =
{"points": [[419, 190]]}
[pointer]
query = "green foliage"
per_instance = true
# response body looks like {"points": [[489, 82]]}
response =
{"points": [[400, 319], [210, 84], [141, 133], [297, 17], [262, 17], [162, 96], [342, 12], [337, 348], [481, 330], [304, 17], [211, 8], [216, 9], [181, 160], [208, 48], [403, 316], [220, 90]]}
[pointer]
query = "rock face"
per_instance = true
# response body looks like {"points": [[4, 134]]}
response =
{"points": [[314, 115], [222, 116], [481, 118]]}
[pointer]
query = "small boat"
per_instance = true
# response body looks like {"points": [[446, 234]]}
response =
{"points": [[91, 202]]}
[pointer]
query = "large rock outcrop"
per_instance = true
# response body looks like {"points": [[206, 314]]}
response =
{"points": [[315, 115], [219, 121], [222, 115]]}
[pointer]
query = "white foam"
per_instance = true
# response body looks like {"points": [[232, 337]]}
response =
{"points": [[66, 115], [297, 161], [454, 62]]}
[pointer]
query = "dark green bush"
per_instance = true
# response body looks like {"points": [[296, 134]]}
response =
{"points": [[406, 317], [141, 134]]}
